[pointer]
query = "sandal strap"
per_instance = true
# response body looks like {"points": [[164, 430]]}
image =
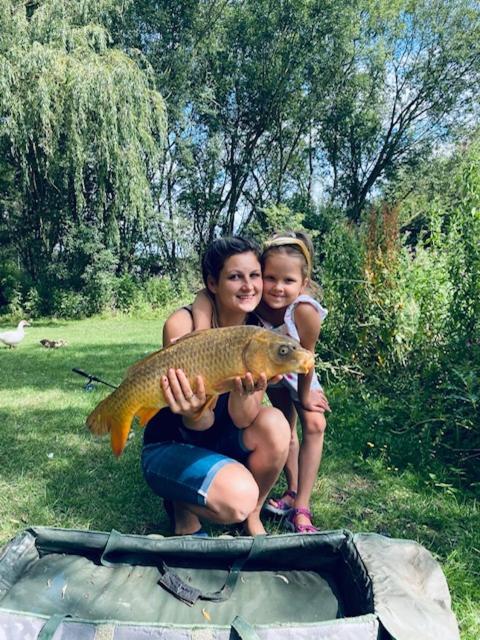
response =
{"points": [[300, 511], [302, 528], [280, 501]]}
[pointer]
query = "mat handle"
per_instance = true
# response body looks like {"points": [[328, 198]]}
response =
{"points": [[244, 629], [48, 630]]}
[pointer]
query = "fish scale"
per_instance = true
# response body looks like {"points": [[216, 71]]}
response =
{"points": [[218, 355]]}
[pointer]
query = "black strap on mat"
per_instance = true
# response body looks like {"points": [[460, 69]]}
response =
{"points": [[189, 595]]}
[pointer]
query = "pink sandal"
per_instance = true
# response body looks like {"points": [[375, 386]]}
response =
{"points": [[300, 528], [281, 507]]}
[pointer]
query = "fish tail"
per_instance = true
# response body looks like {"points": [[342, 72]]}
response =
{"points": [[108, 417]]}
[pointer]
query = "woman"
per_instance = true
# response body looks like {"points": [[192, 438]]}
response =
{"points": [[222, 466]]}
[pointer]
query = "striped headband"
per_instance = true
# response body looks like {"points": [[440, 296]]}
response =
{"points": [[285, 241]]}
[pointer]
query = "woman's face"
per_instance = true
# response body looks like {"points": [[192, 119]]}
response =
{"points": [[239, 285]]}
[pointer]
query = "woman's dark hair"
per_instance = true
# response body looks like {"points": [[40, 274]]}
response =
{"points": [[220, 250]]}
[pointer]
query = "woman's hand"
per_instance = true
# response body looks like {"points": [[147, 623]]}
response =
{"points": [[316, 401], [246, 386], [179, 394]]}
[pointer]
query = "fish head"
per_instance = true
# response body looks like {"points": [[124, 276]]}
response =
{"points": [[273, 354]]}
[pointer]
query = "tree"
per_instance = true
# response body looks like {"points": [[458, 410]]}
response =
{"points": [[81, 135], [410, 76]]}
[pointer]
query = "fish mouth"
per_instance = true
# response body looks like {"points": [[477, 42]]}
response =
{"points": [[307, 363]]}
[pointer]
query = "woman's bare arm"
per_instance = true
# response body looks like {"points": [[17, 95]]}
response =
{"points": [[178, 324]]}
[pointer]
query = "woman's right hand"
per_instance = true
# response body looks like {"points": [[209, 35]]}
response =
{"points": [[180, 396]]}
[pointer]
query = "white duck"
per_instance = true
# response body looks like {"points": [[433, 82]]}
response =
{"points": [[14, 337]]}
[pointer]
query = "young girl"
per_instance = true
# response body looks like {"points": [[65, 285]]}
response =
{"points": [[288, 307]]}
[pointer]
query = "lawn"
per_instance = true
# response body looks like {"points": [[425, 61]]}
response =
{"points": [[52, 472]]}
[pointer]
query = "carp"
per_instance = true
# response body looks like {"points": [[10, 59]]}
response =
{"points": [[218, 355]]}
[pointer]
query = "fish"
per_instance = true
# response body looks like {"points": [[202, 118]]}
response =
{"points": [[218, 355]]}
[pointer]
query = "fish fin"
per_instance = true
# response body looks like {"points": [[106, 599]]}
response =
{"points": [[119, 436], [187, 336], [209, 404], [106, 419], [145, 414]]}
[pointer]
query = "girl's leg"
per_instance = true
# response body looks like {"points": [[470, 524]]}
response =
{"points": [[282, 401], [313, 430]]}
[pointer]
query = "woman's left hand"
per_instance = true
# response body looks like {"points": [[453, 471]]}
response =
{"points": [[246, 386]]}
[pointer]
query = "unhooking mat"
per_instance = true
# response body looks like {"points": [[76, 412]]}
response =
{"points": [[60, 584]]}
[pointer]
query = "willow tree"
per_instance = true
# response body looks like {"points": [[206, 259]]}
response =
{"points": [[81, 132]]}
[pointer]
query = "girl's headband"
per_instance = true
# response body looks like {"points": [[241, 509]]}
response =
{"points": [[285, 241]]}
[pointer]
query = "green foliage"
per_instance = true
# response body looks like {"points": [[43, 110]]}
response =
{"points": [[81, 134], [404, 308], [67, 304], [160, 292], [342, 279], [273, 219]]}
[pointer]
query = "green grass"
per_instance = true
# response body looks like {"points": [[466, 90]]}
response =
{"points": [[52, 472]]}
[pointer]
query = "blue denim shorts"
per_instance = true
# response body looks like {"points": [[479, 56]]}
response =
{"points": [[183, 471]]}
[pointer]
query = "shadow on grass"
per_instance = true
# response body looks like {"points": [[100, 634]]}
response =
{"points": [[74, 478], [52, 368]]}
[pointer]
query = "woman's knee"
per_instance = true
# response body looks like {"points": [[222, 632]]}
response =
{"points": [[233, 494], [271, 429]]}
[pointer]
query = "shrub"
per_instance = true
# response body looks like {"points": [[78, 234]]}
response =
{"points": [[128, 292], [160, 291], [67, 304]]}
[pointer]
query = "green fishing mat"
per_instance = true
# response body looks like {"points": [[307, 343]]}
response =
{"points": [[58, 584]]}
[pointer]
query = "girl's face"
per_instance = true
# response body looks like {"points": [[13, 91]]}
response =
{"points": [[283, 280], [239, 285]]}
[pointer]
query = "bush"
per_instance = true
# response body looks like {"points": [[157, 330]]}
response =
{"points": [[99, 282], [160, 291], [128, 292], [67, 304]]}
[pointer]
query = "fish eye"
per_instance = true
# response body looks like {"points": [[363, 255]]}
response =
{"points": [[283, 350]]}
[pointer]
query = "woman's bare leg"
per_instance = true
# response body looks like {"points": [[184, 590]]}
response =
{"points": [[236, 493], [282, 401], [268, 437]]}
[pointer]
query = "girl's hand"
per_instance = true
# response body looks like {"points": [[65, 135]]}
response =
{"points": [[179, 394], [316, 401]]}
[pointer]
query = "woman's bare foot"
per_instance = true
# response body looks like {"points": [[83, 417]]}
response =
{"points": [[186, 522], [253, 525]]}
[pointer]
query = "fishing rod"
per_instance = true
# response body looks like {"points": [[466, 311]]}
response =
{"points": [[91, 379]]}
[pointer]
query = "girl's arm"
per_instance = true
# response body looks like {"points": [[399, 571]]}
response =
{"points": [[308, 323], [202, 310]]}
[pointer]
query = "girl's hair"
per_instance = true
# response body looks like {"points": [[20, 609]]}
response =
{"points": [[293, 243], [220, 250]]}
